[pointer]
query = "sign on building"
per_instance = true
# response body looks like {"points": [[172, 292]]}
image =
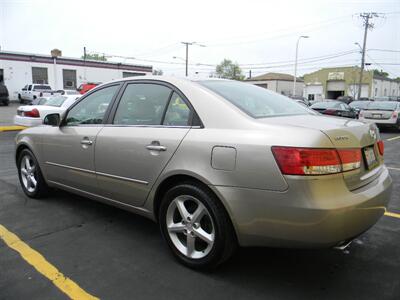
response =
{"points": [[336, 76]]}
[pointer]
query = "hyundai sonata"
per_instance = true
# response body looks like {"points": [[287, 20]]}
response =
{"points": [[216, 163]]}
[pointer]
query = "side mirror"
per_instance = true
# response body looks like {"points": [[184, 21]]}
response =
{"points": [[52, 120]]}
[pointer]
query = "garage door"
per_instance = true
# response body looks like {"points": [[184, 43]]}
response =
{"points": [[335, 85], [314, 89]]}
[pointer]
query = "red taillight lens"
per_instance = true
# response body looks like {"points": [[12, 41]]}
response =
{"points": [[395, 115], [329, 111], [309, 161], [381, 147], [34, 113], [350, 158]]}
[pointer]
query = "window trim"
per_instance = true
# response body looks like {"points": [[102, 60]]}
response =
{"points": [[106, 114], [193, 113]]}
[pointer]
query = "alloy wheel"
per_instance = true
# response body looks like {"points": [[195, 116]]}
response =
{"points": [[190, 227], [28, 173]]}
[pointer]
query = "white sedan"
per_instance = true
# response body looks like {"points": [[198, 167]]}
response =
{"points": [[33, 115]]}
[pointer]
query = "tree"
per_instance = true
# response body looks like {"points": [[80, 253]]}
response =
{"points": [[229, 70], [158, 72], [95, 56], [380, 73]]}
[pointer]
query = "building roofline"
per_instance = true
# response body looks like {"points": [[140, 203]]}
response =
{"points": [[41, 58]]}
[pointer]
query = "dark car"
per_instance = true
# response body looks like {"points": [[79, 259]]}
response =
{"points": [[345, 99], [4, 95], [359, 106], [334, 108]]}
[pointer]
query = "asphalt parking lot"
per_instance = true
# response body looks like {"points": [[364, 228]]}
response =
{"points": [[113, 254]]}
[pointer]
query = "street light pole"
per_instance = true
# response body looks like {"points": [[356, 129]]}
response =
{"points": [[187, 44], [295, 63]]}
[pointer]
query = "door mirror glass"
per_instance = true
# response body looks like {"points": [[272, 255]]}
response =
{"points": [[52, 120]]}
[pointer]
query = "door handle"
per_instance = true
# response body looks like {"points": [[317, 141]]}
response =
{"points": [[87, 142], [155, 146]]}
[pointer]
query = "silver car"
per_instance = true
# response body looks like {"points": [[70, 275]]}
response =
{"points": [[382, 113], [216, 163]]}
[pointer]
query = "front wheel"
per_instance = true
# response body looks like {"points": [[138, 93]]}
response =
{"points": [[30, 175], [196, 226]]}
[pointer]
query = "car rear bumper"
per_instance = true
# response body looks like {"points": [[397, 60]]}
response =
{"points": [[312, 213], [26, 121], [388, 122]]}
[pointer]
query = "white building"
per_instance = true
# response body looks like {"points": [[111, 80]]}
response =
{"points": [[278, 82], [19, 69]]}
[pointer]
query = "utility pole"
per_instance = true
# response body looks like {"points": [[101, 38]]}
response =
{"points": [[367, 25], [187, 44]]}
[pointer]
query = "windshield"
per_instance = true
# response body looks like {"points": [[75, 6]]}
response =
{"points": [[256, 101], [360, 104], [42, 87], [56, 101], [382, 105], [325, 105]]}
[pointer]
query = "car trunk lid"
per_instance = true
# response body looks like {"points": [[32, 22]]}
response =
{"points": [[344, 133]]}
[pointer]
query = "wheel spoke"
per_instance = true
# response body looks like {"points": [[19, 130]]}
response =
{"points": [[190, 240], [198, 213], [33, 181], [207, 237], [176, 227], [182, 209], [24, 171], [27, 163]]}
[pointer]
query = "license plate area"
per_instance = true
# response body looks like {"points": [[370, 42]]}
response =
{"points": [[377, 116], [370, 157]]}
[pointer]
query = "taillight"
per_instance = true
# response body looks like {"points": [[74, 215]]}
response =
{"points": [[350, 158], [381, 147], [34, 113], [314, 161], [329, 111], [395, 115]]}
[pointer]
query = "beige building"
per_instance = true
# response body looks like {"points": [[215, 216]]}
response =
{"points": [[330, 83], [278, 82]]}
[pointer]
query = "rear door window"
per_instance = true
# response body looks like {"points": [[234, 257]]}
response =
{"points": [[142, 104], [178, 113]]}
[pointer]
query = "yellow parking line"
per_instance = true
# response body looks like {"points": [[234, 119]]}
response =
{"points": [[394, 215], [34, 258], [11, 128], [394, 138]]}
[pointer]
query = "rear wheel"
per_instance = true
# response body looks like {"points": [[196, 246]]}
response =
{"points": [[196, 226], [30, 175]]}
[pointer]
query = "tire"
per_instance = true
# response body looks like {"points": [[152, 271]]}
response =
{"points": [[211, 233], [25, 173]]}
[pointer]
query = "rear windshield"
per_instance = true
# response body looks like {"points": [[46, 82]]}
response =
{"points": [[325, 104], [42, 87], [56, 101], [360, 104], [382, 105], [255, 101]]}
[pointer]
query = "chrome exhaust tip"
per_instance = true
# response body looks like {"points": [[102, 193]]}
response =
{"points": [[343, 245]]}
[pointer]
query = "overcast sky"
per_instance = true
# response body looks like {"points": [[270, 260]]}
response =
{"points": [[259, 35]]}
